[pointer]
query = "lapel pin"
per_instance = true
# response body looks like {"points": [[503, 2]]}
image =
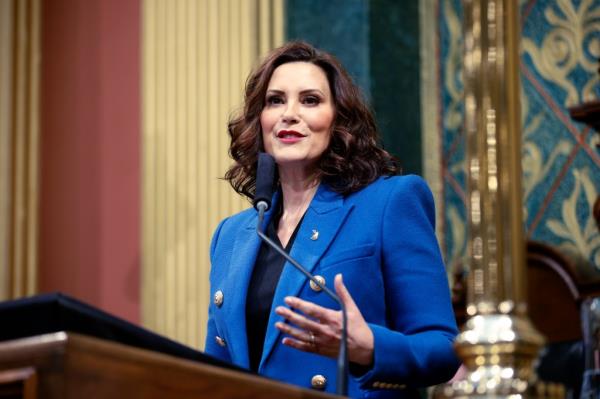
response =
{"points": [[315, 235]]}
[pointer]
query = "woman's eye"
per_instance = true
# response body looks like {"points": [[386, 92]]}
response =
{"points": [[311, 100], [274, 100]]}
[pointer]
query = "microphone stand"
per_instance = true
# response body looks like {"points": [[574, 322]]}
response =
{"points": [[342, 361]]}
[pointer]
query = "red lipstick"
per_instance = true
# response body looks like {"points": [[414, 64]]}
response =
{"points": [[289, 136], [289, 133]]}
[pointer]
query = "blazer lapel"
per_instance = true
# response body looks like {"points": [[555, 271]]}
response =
{"points": [[324, 217], [245, 251]]}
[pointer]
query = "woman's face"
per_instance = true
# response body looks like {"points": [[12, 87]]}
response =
{"points": [[298, 114]]}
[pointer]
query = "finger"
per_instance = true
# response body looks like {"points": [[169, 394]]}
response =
{"points": [[343, 292], [310, 309], [299, 320], [301, 335], [305, 347], [301, 345]]}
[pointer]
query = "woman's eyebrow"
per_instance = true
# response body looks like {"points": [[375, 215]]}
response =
{"points": [[304, 91], [308, 91]]}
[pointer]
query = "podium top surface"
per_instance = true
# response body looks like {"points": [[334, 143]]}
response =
{"points": [[48, 313]]}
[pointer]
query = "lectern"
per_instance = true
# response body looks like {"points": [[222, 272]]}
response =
{"points": [[66, 364]]}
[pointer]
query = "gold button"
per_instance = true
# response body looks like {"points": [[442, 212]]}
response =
{"points": [[314, 286], [220, 341], [218, 298], [315, 235], [318, 382]]}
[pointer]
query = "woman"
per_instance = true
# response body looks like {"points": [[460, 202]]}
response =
{"points": [[341, 213]]}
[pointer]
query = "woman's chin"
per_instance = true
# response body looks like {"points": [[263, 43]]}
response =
{"points": [[289, 159]]}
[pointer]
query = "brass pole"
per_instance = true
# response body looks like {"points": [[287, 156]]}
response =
{"points": [[499, 343]]}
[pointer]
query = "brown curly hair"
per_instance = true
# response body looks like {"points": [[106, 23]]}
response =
{"points": [[354, 157]]}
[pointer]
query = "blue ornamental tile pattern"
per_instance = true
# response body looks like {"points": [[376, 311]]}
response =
{"points": [[560, 47], [452, 136]]}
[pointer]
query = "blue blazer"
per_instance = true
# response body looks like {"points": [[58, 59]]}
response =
{"points": [[382, 239]]}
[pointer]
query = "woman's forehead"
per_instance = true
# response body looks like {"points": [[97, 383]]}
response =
{"points": [[299, 76]]}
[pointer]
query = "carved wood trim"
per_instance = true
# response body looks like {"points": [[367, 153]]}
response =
{"points": [[18, 383]]}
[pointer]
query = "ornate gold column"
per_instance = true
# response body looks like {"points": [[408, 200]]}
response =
{"points": [[499, 343]]}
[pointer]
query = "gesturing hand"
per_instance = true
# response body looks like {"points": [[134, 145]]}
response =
{"points": [[313, 328]]}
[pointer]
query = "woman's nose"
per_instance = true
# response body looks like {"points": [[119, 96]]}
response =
{"points": [[290, 113]]}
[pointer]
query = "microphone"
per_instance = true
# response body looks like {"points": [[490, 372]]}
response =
{"points": [[262, 202], [265, 181]]}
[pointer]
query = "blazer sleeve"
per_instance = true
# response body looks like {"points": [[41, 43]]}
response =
{"points": [[416, 346], [210, 346]]}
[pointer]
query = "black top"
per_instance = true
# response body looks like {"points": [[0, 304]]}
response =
{"points": [[265, 276]]}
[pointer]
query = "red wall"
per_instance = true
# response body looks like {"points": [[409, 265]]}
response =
{"points": [[90, 153]]}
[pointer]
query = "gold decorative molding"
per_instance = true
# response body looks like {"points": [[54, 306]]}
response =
{"points": [[430, 105], [196, 57], [5, 139], [19, 153]]}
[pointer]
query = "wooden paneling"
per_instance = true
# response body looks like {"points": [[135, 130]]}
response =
{"points": [[69, 366]]}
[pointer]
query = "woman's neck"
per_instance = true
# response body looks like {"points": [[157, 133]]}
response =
{"points": [[296, 198], [298, 190], [297, 194]]}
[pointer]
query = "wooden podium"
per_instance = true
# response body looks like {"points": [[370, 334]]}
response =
{"points": [[68, 365]]}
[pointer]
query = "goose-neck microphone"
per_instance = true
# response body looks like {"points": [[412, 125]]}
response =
{"points": [[265, 175], [265, 182]]}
